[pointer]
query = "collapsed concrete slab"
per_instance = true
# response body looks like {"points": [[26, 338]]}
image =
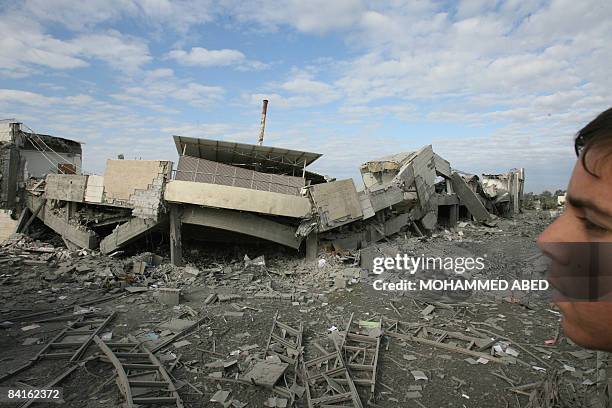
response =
{"points": [[79, 235], [242, 223], [337, 203], [468, 198], [236, 198], [127, 233]]}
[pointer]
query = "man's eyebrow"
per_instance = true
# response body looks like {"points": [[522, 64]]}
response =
{"points": [[584, 203]]}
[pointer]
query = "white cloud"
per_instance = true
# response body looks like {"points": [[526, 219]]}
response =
{"points": [[314, 16], [121, 52], [15, 96], [207, 58], [25, 47], [160, 86], [298, 91], [178, 15], [203, 57]]}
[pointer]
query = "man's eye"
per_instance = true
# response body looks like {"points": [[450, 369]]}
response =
{"points": [[592, 226]]}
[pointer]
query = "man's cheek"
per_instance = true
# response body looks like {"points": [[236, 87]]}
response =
{"points": [[576, 331], [588, 324], [572, 325]]}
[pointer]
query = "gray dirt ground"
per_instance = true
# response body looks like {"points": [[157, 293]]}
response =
{"points": [[527, 319]]}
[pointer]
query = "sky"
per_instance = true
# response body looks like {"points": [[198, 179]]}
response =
{"points": [[492, 85]]}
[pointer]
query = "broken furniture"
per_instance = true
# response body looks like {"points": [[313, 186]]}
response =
{"points": [[328, 382], [360, 349], [285, 344], [141, 377], [71, 343]]}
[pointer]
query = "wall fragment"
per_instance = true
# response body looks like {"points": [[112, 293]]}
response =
{"points": [[138, 184], [337, 203], [94, 192], [65, 187]]}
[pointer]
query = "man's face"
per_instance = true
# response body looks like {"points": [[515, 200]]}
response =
{"points": [[587, 219]]}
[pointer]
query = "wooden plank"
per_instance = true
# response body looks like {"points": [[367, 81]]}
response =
{"points": [[77, 354], [444, 346]]}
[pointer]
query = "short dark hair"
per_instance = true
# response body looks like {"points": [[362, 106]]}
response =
{"points": [[597, 132]]}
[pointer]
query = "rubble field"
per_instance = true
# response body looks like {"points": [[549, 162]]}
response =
{"points": [[259, 326]]}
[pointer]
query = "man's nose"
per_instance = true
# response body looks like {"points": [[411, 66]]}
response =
{"points": [[551, 241]]}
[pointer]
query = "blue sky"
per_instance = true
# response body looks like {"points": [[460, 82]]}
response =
{"points": [[492, 85]]}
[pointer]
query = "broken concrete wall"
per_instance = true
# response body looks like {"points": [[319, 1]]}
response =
{"points": [[424, 170], [65, 187], [366, 205], [5, 132], [385, 195], [207, 171], [70, 231], [383, 170], [505, 187], [399, 190], [138, 184], [7, 225], [94, 191], [39, 164], [9, 175], [125, 233], [411, 172], [337, 203]]}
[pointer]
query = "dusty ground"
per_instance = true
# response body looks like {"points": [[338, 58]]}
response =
{"points": [[527, 320]]}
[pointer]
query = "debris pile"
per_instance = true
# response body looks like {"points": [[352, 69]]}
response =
{"points": [[283, 332]]}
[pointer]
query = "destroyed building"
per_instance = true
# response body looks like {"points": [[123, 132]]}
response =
{"points": [[230, 191], [274, 332]]}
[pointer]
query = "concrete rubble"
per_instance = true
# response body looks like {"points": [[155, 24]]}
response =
{"points": [[241, 278], [291, 316]]}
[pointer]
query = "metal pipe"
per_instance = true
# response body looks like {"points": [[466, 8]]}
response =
{"points": [[264, 111]]}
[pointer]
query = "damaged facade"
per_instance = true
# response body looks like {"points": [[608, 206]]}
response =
{"points": [[261, 192]]}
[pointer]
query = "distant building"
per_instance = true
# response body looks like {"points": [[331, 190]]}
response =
{"points": [[24, 155], [561, 200]]}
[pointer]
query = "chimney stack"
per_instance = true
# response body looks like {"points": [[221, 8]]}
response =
{"points": [[264, 111]]}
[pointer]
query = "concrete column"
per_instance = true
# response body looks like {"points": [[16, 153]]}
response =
{"points": [[176, 244], [71, 209], [312, 246]]}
